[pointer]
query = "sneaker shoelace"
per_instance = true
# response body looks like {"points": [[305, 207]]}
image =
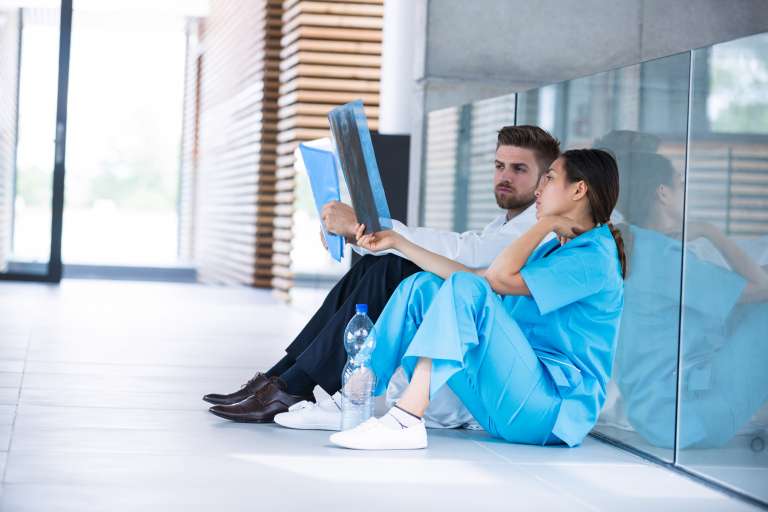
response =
{"points": [[304, 404]]}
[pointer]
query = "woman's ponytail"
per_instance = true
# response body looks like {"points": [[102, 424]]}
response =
{"points": [[620, 247]]}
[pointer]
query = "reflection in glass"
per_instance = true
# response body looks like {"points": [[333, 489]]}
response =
{"points": [[723, 406], [438, 186], [457, 186]]}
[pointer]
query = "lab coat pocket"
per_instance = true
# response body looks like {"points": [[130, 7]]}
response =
{"points": [[564, 374]]}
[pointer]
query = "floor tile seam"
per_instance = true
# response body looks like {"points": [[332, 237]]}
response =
{"points": [[16, 410], [100, 391], [98, 407], [128, 365], [506, 459]]}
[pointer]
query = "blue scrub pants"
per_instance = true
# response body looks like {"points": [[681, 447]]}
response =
{"points": [[476, 347]]}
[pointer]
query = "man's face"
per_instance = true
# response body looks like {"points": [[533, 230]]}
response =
{"points": [[516, 177]]}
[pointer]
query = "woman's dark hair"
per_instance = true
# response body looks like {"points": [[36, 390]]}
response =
{"points": [[598, 169], [643, 173]]}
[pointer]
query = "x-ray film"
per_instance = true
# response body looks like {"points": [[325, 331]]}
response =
{"points": [[354, 150]]}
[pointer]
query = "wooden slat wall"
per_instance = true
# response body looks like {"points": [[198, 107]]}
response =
{"points": [[235, 188], [330, 55], [9, 50]]}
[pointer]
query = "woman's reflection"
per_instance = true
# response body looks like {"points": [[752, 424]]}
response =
{"points": [[724, 318]]}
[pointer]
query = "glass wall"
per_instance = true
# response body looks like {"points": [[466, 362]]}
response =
{"points": [[690, 134], [723, 413], [126, 86], [29, 67]]}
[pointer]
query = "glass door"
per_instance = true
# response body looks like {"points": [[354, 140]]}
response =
{"points": [[34, 62]]}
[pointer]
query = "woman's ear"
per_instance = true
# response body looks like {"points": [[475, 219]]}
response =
{"points": [[580, 190], [662, 194]]}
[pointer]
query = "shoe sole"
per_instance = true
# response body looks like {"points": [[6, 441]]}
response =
{"points": [[354, 446], [379, 448], [213, 402], [240, 420], [308, 427]]}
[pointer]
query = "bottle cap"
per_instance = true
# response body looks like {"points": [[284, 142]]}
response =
{"points": [[361, 308]]}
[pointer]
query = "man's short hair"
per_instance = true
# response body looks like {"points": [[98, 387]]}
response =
{"points": [[544, 146]]}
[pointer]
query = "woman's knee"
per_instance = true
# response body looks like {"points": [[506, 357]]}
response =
{"points": [[467, 284], [421, 281]]}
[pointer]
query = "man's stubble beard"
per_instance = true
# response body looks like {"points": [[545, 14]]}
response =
{"points": [[516, 201]]}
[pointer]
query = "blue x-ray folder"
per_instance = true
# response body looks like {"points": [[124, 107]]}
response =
{"points": [[324, 178]]}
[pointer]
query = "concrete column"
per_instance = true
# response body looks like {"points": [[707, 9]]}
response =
{"points": [[397, 74]]}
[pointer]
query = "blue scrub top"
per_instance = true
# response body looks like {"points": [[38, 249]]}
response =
{"points": [[646, 358], [571, 320]]}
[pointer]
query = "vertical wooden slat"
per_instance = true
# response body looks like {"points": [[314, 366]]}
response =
{"points": [[330, 54], [235, 180], [9, 53]]}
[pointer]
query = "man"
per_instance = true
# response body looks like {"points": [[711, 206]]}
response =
{"points": [[317, 355]]}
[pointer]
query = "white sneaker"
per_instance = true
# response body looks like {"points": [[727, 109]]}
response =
{"points": [[374, 435], [304, 415]]}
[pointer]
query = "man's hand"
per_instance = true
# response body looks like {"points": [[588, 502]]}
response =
{"points": [[322, 239], [340, 219]]}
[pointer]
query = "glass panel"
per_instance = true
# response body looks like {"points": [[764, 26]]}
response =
{"points": [[457, 185], [639, 113], [29, 82], [438, 183], [124, 130], [486, 118], [723, 409]]}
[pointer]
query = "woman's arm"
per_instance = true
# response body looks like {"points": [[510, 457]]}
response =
{"points": [[504, 272], [757, 286], [425, 259]]}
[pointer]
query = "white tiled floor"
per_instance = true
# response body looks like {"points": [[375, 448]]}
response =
{"points": [[100, 386]]}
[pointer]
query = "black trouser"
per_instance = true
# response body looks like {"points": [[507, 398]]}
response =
{"points": [[319, 348]]}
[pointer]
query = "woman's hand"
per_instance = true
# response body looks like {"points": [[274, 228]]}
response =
{"points": [[379, 241], [564, 228], [696, 229]]}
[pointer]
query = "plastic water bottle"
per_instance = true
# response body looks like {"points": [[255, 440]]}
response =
{"points": [[358, 379]]}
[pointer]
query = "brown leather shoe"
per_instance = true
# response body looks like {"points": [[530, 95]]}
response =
{"points": [[262, 407], [248, 389]]}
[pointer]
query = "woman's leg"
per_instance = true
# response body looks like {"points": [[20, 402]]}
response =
{"points": [[399, 322], [415, 398], [468, 340]]}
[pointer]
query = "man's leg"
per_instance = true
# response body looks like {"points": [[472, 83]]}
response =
{"points": [[332, 302], [324, 357], [322, 360]]}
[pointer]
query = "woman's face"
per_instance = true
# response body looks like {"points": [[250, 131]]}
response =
{"points": [[671, 197], [555, 195]]}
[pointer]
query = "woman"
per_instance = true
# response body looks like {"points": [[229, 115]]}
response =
{"points": [[530, 366], [725, 317]]}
